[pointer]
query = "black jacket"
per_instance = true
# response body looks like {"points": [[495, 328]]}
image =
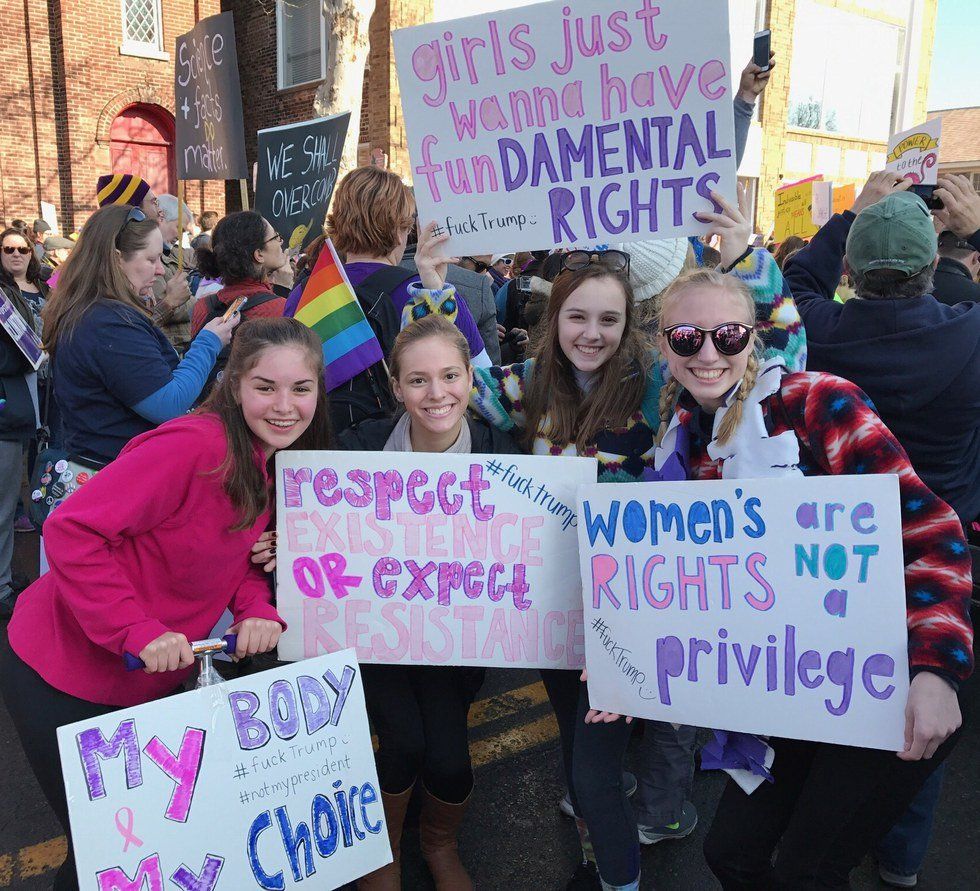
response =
{"points": [[18, 418], [953, 283], [371, 436], [917, 359]]}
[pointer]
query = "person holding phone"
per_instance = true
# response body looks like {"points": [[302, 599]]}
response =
{"points": [[117, 375]]}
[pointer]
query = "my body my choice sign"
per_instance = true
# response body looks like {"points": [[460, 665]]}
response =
{"points": [[431, 559], [766, 606], [265, 782], [572, 122]]}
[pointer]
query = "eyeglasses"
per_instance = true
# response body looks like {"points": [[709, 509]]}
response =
{"points": [[478, 265], [10, 249], [273, 238], [729, 339], [614, 261], [506, 260]]}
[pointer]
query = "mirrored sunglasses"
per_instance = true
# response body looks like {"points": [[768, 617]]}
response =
{"points": [[729, 339]]}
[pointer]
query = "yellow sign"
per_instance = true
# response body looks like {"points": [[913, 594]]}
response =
{"points": [[794, 212], [917, 141], [843, 197]]}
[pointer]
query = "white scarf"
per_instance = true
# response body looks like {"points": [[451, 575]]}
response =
{"points": [[751, 453], [401, 439]]}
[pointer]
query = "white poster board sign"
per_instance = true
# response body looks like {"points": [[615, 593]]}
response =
{"points": [[265, 782], [577, 122], [915, 153], [765, 606], [430, 559]]}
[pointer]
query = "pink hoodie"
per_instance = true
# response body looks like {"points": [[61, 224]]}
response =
{"points": [[141, 549]]}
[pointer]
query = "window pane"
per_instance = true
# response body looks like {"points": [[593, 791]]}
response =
{"points": [[141, 25], [300, 41], [823, 94]]}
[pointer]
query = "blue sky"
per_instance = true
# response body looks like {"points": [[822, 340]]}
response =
{"points": [[955, 79]]}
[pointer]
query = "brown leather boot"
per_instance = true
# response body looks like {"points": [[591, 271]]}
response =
{"points": [[389, 878], [438, 825]]}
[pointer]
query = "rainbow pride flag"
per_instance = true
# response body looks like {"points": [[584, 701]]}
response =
{"points": [[328, 305]]}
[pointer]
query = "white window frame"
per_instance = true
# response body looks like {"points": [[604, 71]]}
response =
{"points": [[144, 50], [280, 58]]}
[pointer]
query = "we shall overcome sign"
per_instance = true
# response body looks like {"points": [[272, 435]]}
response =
{"points": [[766, 606], [438, 559], [569, 122], [265, 782]]}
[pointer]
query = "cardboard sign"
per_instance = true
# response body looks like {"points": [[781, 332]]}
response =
{"points": [[264, 782], [297, 171], [20, 332], [208, 102], [844, 197], [766, 606], [431, 559], [575, 122], [915, 153], [794, 211]]}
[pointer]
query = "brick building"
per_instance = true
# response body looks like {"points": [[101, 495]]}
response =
{"points": [[959, 149], [87, 88]]}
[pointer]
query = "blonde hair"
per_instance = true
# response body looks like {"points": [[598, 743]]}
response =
{"points": [[709, 278], [370, 206], [428, 326]]}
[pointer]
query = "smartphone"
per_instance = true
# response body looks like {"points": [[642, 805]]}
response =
{"points": [[933, 202], [760, 49], [524, 284], [233, 307]]}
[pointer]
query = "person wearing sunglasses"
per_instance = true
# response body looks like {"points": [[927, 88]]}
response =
{"points": [[748, 416], [245, 254], [593, 389], [116, 374]]}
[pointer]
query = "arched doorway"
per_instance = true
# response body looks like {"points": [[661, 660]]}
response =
{"points": [[141, 141]]}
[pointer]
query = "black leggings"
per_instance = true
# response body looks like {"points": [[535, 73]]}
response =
{"points": [[419, 713], [38, 710], [592, 755], [827, 807]]}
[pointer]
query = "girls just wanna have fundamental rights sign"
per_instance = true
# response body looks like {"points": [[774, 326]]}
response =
{"points": [[564, 123], [749, 605], [431, 559]]}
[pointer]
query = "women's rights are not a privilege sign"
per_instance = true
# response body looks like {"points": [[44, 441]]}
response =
{"points": [[267, 782], [431, 559]]}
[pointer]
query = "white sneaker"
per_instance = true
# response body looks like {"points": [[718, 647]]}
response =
{"points": [[896, 879]]}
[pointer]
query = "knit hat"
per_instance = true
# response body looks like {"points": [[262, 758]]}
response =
{"points": [[121, 188], [654, 264], [896, 233]]}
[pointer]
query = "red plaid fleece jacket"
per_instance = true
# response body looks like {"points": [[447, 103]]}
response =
{"points": [[840, 433]]}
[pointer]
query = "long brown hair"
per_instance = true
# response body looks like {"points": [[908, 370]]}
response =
{"points": [[242, 477], [33, 271], [555, 404], [92, 271], [710, 278]]}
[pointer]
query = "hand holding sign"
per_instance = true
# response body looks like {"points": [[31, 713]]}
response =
{"points": [[932, 715], [432, 265], [880, 184]]}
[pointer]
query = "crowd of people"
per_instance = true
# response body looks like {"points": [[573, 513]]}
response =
{"points": [[668, 360]]}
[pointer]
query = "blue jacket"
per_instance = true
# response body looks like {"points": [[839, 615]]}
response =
{"points": [[917, 359]]}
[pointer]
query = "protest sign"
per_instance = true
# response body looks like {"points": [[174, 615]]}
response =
{"points": [[829, 199], [794, 211], [20, 332], [430, 559], [767, 606], [569, 123], [297, 171], [915, 153], [844, 197], [263, 782], [208, 99]]}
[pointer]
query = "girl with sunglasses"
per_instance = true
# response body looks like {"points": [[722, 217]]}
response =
{"points": [[116, 373], [748, 415], [593, 390]]}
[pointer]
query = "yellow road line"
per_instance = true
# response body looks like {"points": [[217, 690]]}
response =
{"points": [[38, 859]]}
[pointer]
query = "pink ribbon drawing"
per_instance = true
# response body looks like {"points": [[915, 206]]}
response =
{"points": [[127, 831]]}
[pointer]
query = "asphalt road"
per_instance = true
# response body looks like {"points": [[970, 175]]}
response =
{"points": [[514, 837]]}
